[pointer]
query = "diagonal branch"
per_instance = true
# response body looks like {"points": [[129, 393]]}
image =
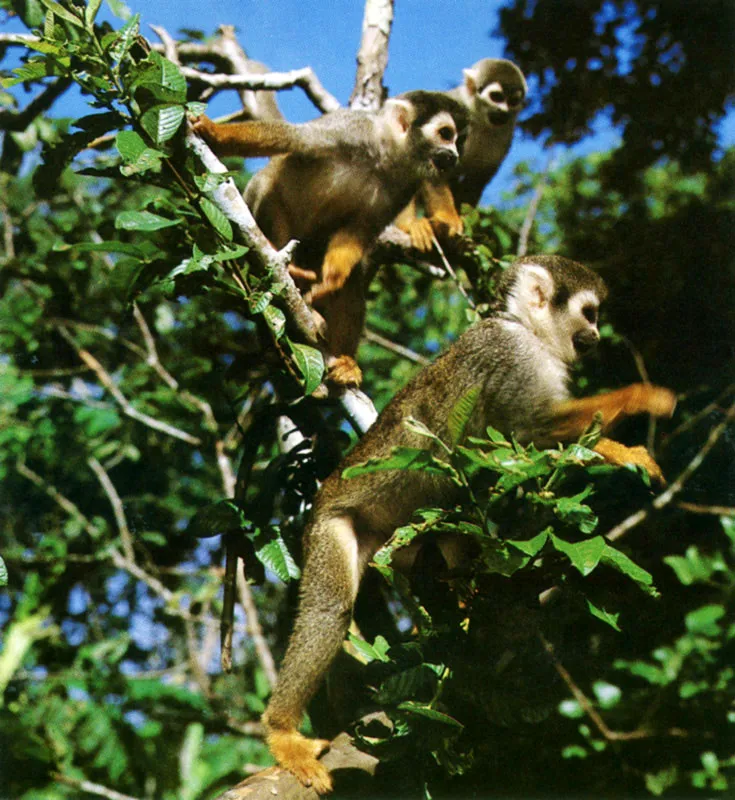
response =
{"points": [[369, 92]]}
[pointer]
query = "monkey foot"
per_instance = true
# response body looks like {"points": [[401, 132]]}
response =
{"points": [[298, 755], [343, 371], [621, 455]]}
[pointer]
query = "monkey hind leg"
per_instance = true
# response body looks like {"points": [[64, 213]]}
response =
{"points": [[619, 454], [328, 590]]}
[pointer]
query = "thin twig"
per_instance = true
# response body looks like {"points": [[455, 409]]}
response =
{"points": [[91, 788], [532, 211], [667, 496], [589, 709], [128, 409], [396, 348], [254, 629], [448, 267], [697, 508], [117, 507]]}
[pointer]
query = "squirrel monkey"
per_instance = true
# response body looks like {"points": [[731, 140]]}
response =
{"points": [[336, 182], [493, 92], [520, 357]]}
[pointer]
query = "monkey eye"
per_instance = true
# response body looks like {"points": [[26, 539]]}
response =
{"points": [[590, 314], [446, 133], [496, 96]]}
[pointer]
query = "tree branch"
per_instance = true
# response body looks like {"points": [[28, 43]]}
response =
{"points": [[117, 507], [369, 92]]}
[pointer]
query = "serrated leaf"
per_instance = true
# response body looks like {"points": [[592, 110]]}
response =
{"points": [[311, 365], [461, 413], [585, 556], [275, 557], [574, 512], [496, 436], [142, 221], [130, 145], [217, 219], [3, 573], [162, 121], [61, 12], [407, 683], [259, 301], [605, 616], [411, 458]]}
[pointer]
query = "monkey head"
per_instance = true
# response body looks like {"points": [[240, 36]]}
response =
{"points": [[558, 300], [430, 127], [495, 91]]}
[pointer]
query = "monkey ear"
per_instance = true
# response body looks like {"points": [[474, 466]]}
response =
{"points": [[537, 286], [399, 114], [471, 80]]}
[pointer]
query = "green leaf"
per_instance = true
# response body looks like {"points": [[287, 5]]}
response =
{"points": [[121, 44], [704, 621], [61, 12], [142, 221], [162, 121], [420, 429], [427, 712], [619, 561], [310, 363], [3, 573], [461, 412], [90, 12], [371, 652], [585, 556], [531, 547], [276, 320], [411, 458], [693, 566], [605, 616], [216, 218], [215, 519], [574, 512], [275, 557]]}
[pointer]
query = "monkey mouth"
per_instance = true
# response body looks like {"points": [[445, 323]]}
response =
{"points": [[498, 117], [444, 161]]}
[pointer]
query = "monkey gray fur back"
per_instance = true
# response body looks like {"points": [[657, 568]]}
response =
{"points": [[520, 377]]}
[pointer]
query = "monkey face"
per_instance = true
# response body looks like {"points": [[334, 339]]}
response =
{"points": [[441, 143], [499, 103]]}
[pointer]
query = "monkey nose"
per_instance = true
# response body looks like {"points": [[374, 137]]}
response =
{"points": [[445, 159], [584, 341]]}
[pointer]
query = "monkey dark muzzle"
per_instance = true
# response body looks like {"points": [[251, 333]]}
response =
{"points": [[498, 117], [445, 160], [584, 341]]}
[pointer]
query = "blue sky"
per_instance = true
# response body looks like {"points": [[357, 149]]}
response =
{"points": [[431, 42]]}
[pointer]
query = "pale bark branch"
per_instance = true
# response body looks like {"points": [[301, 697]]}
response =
{"points": [[263, 651], [117, 507], [92, 788], [398, 349], [372, 58]]}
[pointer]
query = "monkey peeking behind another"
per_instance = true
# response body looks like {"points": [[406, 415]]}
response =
{"points": [[334, 184], [520, 358], [493, 93]]}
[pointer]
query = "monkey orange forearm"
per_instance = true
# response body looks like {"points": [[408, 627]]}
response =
{"points": [[573, 417], [249, 139], [441, 209]]}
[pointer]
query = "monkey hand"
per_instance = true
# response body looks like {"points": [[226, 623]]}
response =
{"points": [[446, 222], [619, 454], [420, 232], [204, 127], [643, 398], [343, 371], [298, 755]]}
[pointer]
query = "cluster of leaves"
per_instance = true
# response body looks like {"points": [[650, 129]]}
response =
{"points": [[476, 662]]}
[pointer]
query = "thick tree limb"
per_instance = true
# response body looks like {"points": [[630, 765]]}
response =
{"points": [[369, 92]]}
